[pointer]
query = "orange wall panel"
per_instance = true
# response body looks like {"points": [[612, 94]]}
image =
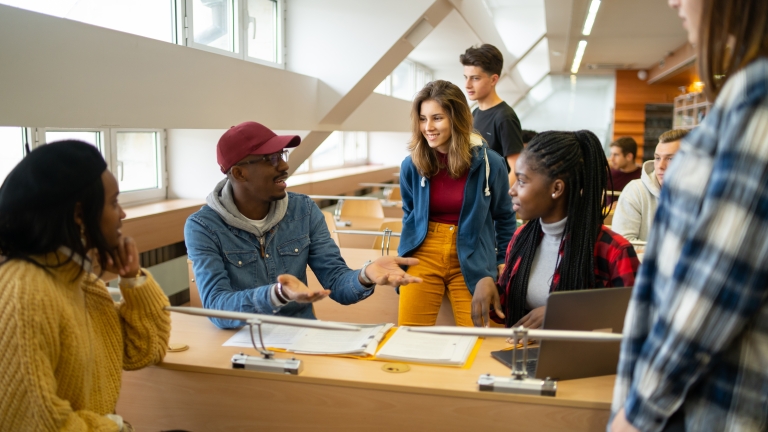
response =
{"points": [[632, 95]]}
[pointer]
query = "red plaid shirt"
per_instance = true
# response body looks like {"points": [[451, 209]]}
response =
{"points": [[616, 264]]}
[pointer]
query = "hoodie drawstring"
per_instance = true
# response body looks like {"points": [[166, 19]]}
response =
{"points": [[423, 181], [487, 173]]}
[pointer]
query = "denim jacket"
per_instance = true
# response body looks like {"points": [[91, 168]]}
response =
{"points": [[486, 220], [233, 274]]}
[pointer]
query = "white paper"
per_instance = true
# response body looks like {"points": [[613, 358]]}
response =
{"points": [[427, 348], [336, 342], [275, 336], [314, 341]]}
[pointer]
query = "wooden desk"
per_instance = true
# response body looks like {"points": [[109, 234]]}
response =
{"points": [[158, 224], [199, 391]]}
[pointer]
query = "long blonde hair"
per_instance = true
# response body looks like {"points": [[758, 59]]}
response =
{"points": [[454, 103]]}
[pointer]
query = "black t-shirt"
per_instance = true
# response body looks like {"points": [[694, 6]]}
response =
{"points": [[500, 127]]}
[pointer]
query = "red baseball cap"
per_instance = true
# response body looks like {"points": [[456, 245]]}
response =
{"points": [[250, 138]]}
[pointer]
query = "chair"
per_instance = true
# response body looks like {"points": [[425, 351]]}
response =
{"points": [[331, 226], [609, 219], [394, 226], [194, 294], [362, 208], [393, 194]]}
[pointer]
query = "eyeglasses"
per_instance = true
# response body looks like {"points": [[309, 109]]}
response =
{"points": [[274, 159]]}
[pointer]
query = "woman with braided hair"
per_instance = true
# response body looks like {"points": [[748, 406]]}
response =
{"points": [[560, 189]]}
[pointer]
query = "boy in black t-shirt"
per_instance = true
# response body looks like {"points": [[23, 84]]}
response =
{"points": [[494, 119]]}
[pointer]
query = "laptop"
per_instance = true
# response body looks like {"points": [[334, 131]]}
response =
{"points": [[590, 310]]}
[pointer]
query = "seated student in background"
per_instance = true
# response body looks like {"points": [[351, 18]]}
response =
{"points": [[637, 203], [250, 246], [457, 218], [560, 189], [528, 136], [623, 166], [64, 342]]}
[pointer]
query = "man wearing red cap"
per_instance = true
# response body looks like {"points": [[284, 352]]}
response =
{"points": [[251, 244]]}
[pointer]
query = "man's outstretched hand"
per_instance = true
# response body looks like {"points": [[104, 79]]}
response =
{"points": [[386, 271]]}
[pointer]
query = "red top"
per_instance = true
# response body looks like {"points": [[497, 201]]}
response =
{"points": [[446, 195], [620, 180]]}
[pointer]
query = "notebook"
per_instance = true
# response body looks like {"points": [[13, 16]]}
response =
{"points": [[410, 347]]}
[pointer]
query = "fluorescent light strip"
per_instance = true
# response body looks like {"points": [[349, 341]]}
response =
{"points": [[593, 7], [577, 58]]}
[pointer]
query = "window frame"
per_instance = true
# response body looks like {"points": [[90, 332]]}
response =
{"points": [[144, 195], [189, 33], [185, 32], [108, 141], [345, 163]]}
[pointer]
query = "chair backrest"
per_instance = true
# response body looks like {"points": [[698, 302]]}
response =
{"points": [[394, 226], [331, 226], [194, 294], [393, 194], [609, 219], [362, 208]]}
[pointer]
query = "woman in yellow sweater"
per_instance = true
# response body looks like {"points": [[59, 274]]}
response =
{"points": [[63, 341]]}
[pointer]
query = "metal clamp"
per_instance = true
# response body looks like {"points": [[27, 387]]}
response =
{"points": [[267, 362]]}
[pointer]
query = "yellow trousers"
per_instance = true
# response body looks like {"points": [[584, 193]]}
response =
{"points": [[439, 268]]}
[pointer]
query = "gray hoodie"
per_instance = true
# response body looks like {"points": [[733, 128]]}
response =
{"points": [[637, 206], [222, 201]]}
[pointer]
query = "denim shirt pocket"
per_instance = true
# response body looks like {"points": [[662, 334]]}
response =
{"points": [[242, 268], [294, 256]]}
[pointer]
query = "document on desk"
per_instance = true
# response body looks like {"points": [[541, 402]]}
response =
{"points": [[315, 341], [428, 348]]}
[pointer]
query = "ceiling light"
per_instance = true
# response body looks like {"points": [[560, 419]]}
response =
{"points": [[577, 58], [593, 7]]}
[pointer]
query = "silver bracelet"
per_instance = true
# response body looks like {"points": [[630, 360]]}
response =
{"points": [[363, 277]]}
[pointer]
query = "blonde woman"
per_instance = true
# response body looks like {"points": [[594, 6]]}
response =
{"points": [[457, 217]]}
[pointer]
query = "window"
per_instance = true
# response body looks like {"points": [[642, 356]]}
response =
{"points": [[261, 33], [405, 81], [148, 18], [213, 24], [11, 149], [134, 156], [340, 149], [247, 29]]}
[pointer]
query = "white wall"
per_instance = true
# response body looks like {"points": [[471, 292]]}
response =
{"points": [[388, 148], [587, 103], [192, 167]]}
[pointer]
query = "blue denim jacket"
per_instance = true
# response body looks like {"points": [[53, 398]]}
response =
{"points": [[486, 222], [233, 275]]}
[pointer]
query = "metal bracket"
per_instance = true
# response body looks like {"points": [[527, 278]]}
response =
{"points": [[529, 386], [267, 362], [519, 382]]}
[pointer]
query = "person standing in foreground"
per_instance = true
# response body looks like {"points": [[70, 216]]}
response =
{"points": [[64, 342], [493, 118], [638, 201], [695, 350], [457, 219], [251, 244], [560, 190]]}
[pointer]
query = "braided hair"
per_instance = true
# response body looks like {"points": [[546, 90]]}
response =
{"points": [[578, 159]]}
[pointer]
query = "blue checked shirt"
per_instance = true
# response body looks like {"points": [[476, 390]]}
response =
{"points": [[696, 331]]}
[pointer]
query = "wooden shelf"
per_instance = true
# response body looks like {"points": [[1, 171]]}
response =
{"points": [[690, 110]]}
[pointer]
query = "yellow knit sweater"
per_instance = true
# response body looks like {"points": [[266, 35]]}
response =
{"points": [[64, 343]]}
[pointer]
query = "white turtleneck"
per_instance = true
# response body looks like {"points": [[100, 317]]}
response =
{"points": [[544, 264]]}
